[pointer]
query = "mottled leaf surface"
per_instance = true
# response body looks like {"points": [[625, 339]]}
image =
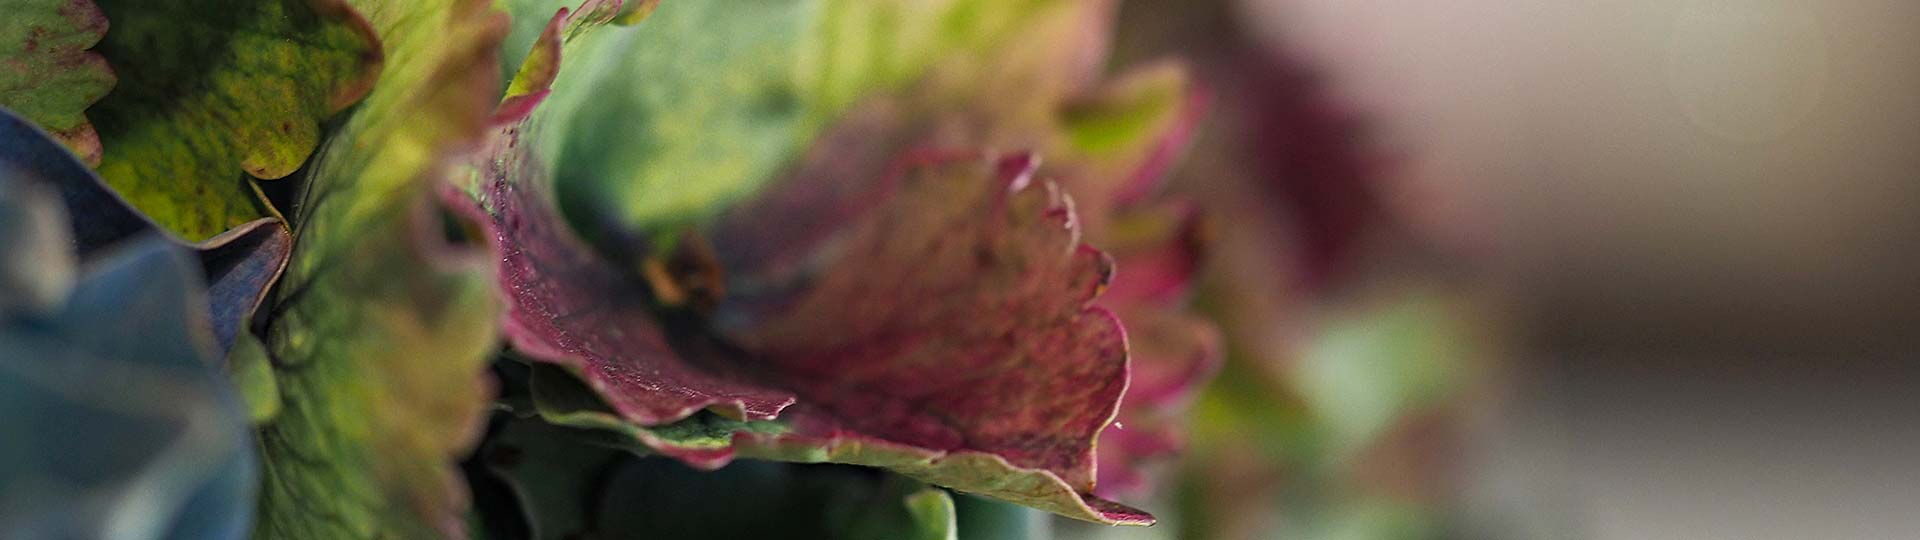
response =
{"points": [[894, 336], [214, 92], [48, 72], [1004, 405], [1114, 145], [379, 336]]}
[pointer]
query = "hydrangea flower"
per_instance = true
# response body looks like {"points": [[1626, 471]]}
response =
{"points": [[924, 237]]}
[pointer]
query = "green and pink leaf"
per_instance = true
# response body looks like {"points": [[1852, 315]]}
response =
{"points": [[48, 70], [1005, 405]]}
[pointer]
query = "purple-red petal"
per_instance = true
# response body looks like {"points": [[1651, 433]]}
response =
{"points": [[956, 318], [570, 307]]}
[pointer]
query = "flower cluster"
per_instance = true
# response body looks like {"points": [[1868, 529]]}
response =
{"points": [[296, 260]]}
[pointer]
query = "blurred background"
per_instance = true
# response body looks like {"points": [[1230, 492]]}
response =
{"points": [[1629, 269]]}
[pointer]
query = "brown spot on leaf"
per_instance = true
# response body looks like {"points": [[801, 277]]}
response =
{"points": [[85, 15], [34, 33]]}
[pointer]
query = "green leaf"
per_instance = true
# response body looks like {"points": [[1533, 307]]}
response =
{"points": [[211, 88], [47, 73], [252, 373], [932, 515], [657, 125], [380, 333]]}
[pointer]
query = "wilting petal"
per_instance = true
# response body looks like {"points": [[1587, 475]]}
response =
{"points": [[569, 306], [970, 278]]}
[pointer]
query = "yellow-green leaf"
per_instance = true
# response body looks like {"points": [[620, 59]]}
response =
{"points": [[380, 334], [214, 93]]}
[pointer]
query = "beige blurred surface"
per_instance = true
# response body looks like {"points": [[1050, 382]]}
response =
{"points": [[1703, 213], [1720, 176]]}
